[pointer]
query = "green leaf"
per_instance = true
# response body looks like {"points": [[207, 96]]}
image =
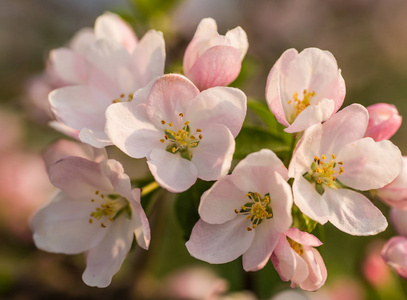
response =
{"points": [[186, 206], [254, 138], [301, 221]]}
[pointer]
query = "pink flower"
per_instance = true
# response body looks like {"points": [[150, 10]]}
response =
{"points": [[108, 68], [212, 59], [183, 133], [374, 269], [394, 253], [96, 212], [398, 218], [384, 121], [244, 213], [334, 155], [395, 193], [304, 89], [295, 259]]}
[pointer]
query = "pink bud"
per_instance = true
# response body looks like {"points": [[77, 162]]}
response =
{"points": [[374, 269], [384, 121], [394, 254], [212, 59]]}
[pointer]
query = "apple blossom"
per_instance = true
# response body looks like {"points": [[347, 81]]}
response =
{"points": [[395, 193], [212, 59], [384, 121], [114, 68], [183, 133], [295, 259], [394, 253], [304, 88], [96, 212], [244, 213], [334, 155]]}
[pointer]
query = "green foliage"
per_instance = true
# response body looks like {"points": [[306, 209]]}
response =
{"points": [[186, 206], [301, 221]]}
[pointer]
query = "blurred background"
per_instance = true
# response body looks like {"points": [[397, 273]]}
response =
{"points": [[368, 39]]}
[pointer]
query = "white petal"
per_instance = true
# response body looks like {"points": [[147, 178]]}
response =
{"points": [[141, 225], [353, 213], [105, 260], [63, 226], [213, 156], [97, 139], [171, 171], [222, 243], [309, 201], [368, 164], [69, 66]]}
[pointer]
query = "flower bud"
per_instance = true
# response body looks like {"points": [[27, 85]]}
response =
{"points": [[394, 253], [384, 121], [212, 59]]}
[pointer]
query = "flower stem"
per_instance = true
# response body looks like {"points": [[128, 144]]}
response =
{"points": [[147, 189]]}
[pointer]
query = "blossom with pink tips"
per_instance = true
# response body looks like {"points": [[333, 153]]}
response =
{"points": [[184, 134], [244, 213], [304, 88], [212, 59], [96, 212], [333, 156], [394, 253], [384, 121], [296, 260], [111, 66], [395, 193]]}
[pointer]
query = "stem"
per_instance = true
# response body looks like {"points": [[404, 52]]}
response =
{"points": [[149, 188], [294, 139]]}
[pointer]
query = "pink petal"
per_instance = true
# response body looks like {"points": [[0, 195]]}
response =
{"points": [[317, 270], [264, 242], [394, 254], [274, 82], [219, 105], [222, 243], [114, 172], [98, 139], [353, 213], [169, 96], [139, 218], [64, 129], [218, 204], [303, 238], [69, 66], [79, 178], [218, 66], [105, 259], [368, 164], [311, 115], [82, 40], [264, 157], [171, 171], [309, 201], [213, 156], [111, 26], [129, 128], [149, 57], [399, 220], [384, 121], [63, 226]]}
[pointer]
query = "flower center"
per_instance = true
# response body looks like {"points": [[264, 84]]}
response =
{"points": [[323, 172], [295, 246], [123, 98], [112, 205], [256, 209], [300, 105], [181, 140]]}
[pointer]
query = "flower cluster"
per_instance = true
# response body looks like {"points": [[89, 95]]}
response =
{"points": [[114, 92]]}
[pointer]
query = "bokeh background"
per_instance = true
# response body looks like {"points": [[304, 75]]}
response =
{"points": [[368, 39]]}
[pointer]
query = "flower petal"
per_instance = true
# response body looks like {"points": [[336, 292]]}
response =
{"points": [[399, 220], [368, 164], [129, 128], [311, 115], [317, 270], [222, 243], [141, 225], [171, 171], [353, 213], [219, 105], [63, 226], [309, 201], [303, 238], [69, 66], [213, 156], [98, 139], [264, 242], [218, 204], [105, 259]]}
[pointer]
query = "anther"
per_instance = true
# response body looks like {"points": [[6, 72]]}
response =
{"points": [[323, 157], [90, 221], [97, 192], [173, 149], [249, 229], [236, 211], [200, 136], [93, 200], [122, 96], [181, 115], [198, 130], [162, 140], [186, 123], [333, 156], [170, 124], [103, 225], [162, 122]]}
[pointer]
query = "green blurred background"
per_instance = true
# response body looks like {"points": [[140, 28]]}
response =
{"points": [[368, 39]]}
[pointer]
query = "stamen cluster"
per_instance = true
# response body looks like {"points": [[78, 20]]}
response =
{"points": [[300, 105], [122, 98], [110, 209], [256, 210], [323, 173]]}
